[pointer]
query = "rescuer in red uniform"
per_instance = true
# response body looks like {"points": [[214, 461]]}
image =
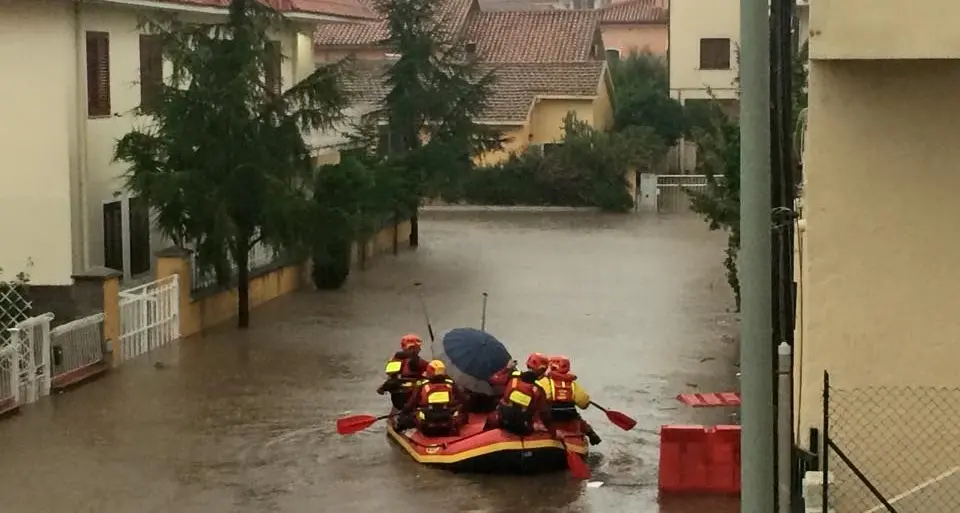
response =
{"points": [[435, 406], [523, 400], [565, 395], [404, 370]]}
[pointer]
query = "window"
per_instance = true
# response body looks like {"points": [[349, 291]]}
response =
{"points": [[613, 54], [98, 74], [113, 235], [151, 72], [715, 53], [272, 75], [139, 236], [551, 148]]}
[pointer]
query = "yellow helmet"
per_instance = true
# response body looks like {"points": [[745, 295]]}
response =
{"points": [[436, 368]]}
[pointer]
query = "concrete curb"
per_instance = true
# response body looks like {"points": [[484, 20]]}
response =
{"points": [[504, 208]]}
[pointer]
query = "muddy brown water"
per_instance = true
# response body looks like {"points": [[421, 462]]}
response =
{"points": [[243, 421]]}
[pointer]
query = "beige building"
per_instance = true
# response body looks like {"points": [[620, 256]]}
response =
{"points": [[74, 72], [634, 26], [704, 38], [879, 274]]}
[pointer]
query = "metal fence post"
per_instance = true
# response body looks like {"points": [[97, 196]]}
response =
{"points": [[825, 467], [14, 361], [784, 428]]}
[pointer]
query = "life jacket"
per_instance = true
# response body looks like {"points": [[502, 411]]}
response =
{"points": [[520, 394], [399, 367], [436, 401], [561, 388]]}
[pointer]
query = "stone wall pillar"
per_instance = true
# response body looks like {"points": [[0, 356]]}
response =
{"points": [[98, 290], [179, 261]]}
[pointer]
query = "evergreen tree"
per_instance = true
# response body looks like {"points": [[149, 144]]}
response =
{"points": [[435, 93], [223, 161]]}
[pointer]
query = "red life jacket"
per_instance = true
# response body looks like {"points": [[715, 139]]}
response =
{"points": [[563, 391], [437, 394], [401, 367], [520, 394]]}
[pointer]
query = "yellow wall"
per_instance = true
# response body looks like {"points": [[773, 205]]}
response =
{"points": [[879, 300], [215, 308], [635, 37], [883, 29], [603, 107], [37, 110], [546, 122], [517, 140]]}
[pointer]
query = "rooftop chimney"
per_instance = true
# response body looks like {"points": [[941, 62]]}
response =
{"points": [[471, 50]]}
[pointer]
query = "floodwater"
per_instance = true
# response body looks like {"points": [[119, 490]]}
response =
{"points": [[243, 422]]}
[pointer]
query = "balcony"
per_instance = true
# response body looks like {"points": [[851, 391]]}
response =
{"points": [[884, 29]]}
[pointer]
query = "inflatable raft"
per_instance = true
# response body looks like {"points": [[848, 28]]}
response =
{"points": [[493, 451]]}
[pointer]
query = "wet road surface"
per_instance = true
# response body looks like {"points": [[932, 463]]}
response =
{"points": [[242, 422]]}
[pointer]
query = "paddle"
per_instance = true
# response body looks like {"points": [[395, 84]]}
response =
{"points": [[354, 423], [621, 420], [423, 306], [578, 467]]}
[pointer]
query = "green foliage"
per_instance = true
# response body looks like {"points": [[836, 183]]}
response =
{"points": [[222, 160], [718, 148], [642, 96], [586, 168]]}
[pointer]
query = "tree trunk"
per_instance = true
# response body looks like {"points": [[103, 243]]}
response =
{"points": [[243, 284], [396, 233], [414, 229]]}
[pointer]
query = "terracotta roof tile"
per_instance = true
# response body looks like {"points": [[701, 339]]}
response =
{"points": [[634, 11], [453, 14], [518, 84], [533, 36], [344, 8]]}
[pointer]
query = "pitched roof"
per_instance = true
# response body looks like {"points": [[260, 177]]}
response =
{"points": [[452, 13], [533, 36], [634, 11], [518, 85], [517, 5], [344, 8]]}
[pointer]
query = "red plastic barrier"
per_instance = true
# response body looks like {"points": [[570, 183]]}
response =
{"points": [[699, 459]]}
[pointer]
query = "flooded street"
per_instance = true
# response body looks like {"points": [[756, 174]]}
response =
{"points": [[243, 422]]}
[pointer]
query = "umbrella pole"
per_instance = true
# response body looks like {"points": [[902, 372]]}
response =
{"points": [[483, 314]]}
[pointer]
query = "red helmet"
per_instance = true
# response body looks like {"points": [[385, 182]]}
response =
{"points": [[560, 364], [410, 341], [537, 362]]}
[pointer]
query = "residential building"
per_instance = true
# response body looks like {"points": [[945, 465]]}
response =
{"points": [[704, 42], [877, 267], [635, 26], [548, 63], [75, 71]]}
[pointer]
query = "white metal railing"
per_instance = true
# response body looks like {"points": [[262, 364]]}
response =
{"points": [[149, 317], [77, 344], [260, 255]]}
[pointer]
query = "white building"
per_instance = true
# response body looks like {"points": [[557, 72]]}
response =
{"points": [[74, 71]]}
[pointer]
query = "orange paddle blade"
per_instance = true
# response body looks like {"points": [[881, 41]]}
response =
{"points": [[578, 467], [355, 423], [621, 420]]}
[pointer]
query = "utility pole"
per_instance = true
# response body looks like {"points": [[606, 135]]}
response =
{"points": [[756, 354]]}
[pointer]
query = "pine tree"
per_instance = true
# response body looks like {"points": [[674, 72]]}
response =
{"points": [[223, 160], [435, 93]]}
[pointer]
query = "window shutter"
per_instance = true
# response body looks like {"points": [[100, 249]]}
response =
{"points": [[151, 72], [98, 74], [272, 67]]}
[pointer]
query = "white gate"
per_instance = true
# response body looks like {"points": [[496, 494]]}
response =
{"points": [[25, 362], [149, 316], [672, 190]]}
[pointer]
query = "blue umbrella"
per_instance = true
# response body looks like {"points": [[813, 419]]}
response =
{"points": [[472, 357]]}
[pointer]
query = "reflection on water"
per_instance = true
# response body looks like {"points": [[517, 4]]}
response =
{"points": [[242, 422]]}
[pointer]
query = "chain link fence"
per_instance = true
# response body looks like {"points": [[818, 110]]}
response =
{"points": [[892, 450]]}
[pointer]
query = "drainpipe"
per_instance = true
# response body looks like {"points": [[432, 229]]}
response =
{"points": [[81, 128]]}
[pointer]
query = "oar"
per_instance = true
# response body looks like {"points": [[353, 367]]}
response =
{"points": [[578, 467], [621, 420], [354, 423], [423, 306]]}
